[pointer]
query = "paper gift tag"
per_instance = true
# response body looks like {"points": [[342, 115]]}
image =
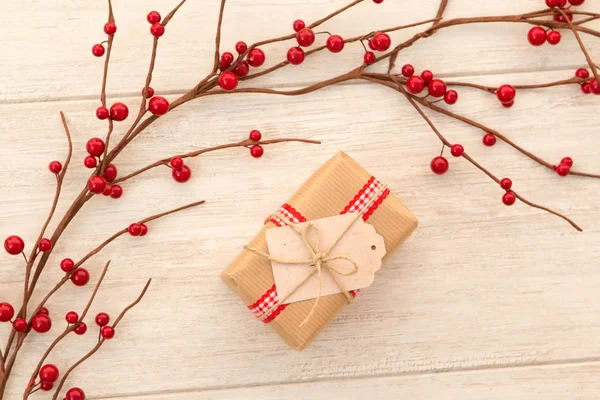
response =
{"points": [[361, 243]]}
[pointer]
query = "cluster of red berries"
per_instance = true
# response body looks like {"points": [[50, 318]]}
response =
{"points": [[592, 86], [537, 36], [564, 167], [228, 80], [440, 165], [48, 375], [14, 245], [256, 150], [506, 94], [136, 229], [562, 4], [79, 276], [435, 87], [181, 172], [40, 323], [156, 28], [509, 197], [305, 38], [101, 184], [379, 42]]}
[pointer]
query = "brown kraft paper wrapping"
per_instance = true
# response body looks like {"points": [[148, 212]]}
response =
{"points": [[326, 193]]}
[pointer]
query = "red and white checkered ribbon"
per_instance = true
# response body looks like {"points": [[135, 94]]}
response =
{"points": [[292, 216]]}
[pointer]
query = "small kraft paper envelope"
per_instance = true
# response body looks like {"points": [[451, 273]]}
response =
{"points": [[319, 249]]}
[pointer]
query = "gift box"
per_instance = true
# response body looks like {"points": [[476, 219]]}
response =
{"points": [[340, 186]]}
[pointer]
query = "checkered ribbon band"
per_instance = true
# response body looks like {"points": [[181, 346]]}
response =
{"points": [[292, 216]]}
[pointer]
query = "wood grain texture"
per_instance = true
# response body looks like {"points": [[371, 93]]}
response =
{"points": [[478, 286]]}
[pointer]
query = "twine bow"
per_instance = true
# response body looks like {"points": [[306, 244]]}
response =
{"points": [[318, 260]]}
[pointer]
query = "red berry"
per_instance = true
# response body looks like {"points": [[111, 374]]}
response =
{"points": [[183, 175], [116, 192], [506, 183], [509, 104], [158, 105], [110, 173], [45, 245], [44, 310], [377, 1], [427, 75], [305, 37], [7, 311], [102, 113], [415, 84], [408, 70], [20, 325], [102, 319], [46, 386], [552, 3], [80, 277], [150, 92], [107, 332], [110, 28], [255, 135], [55, 167], [135, 229], [241, 47], [594, 86], [72, 317], [369, 57], [257, 151], [381, 41], [537, 36], [75, 394], [439, 165], [576, 2], [256, 57], [451, 97], [509, 199], [97, 184], [157, 29], [582, 73], [107, 190], [41, 323], [295, 55], [335, 43], [153, 17], [298, 24], [177, 163], [67, 265], [506, 93], [49, 373], [489, 139], [226, 60], [554, 37], [95, 147], [14, 245], [242, 69], [437, 88], [457, 150], [562, 169], [144, 230], [90, 162], [98, 50], [568, 161], [228, 81], [119, 112], [558, 17], [586, 88], [80, 329]]}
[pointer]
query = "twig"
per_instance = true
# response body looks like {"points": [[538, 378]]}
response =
{"points": [[100, 342]]}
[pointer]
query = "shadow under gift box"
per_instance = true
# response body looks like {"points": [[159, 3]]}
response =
{"points": [[341, 185]]}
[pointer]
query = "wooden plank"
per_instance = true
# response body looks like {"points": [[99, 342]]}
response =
{"points": [[47, 48], [555, 382], [478, 285]]}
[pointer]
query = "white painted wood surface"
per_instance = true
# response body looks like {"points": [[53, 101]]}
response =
{"points": [[484, 301]]}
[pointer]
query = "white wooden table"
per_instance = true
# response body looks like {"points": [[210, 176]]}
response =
{"points": [[483, 302]]}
